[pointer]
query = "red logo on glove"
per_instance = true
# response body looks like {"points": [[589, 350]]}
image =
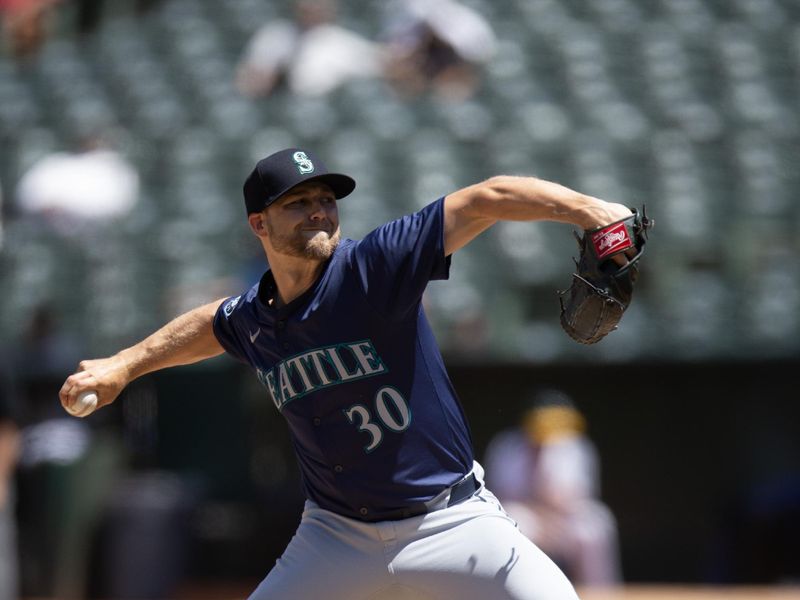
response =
{"points": [[611, 240]]}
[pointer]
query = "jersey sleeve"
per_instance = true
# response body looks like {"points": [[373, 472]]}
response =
{"points": [[225, 328], [396, 261]]}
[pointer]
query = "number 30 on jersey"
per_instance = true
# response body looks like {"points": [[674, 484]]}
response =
{"points": [[391, 410]]}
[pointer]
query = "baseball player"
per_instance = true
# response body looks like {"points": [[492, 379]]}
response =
{"points": [[336, 333], [546, 472]]}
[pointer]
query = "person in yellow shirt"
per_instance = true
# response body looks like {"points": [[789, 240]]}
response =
{"points": [[546, 472]]}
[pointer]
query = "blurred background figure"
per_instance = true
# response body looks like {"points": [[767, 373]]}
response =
{"points": [[9, 451], [546, 473], [94, 513], [26, 24], [439, 46], [309, 54], [91, 185], [65, 468]]}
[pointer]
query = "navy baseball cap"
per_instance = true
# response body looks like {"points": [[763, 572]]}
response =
{"points": [[276, 174]]}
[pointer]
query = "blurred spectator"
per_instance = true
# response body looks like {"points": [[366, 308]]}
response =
{"points": [[9, 450], [310, 54], [64, 467], [72, 189], [439, 45], [546, 474], [25, 24], [78, 500]]}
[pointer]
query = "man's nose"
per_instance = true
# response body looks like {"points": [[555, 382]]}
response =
{"points": [[317, 210]]}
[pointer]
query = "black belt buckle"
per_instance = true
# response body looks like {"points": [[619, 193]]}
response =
{"points": [[463, 489]]}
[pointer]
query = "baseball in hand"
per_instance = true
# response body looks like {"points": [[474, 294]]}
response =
{"points": [[84, 405]]}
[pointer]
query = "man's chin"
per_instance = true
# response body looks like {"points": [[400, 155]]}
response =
{"points": [[321, 246]]}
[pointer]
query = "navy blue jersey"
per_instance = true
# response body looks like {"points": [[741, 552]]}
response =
{"points": [[353, 366]]}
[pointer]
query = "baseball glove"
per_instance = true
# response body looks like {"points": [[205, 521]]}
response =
{"points": [[601, 290]]}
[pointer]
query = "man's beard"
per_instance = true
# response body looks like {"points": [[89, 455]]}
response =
{"points": [[320, 247]]}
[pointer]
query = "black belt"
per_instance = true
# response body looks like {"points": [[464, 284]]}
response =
{"points": [[464, 489], [459, 492]]}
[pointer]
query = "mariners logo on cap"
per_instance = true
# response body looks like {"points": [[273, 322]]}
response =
{"points": [[304, 164]]}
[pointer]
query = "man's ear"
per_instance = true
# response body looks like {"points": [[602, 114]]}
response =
{"points": [[257, 223]]}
